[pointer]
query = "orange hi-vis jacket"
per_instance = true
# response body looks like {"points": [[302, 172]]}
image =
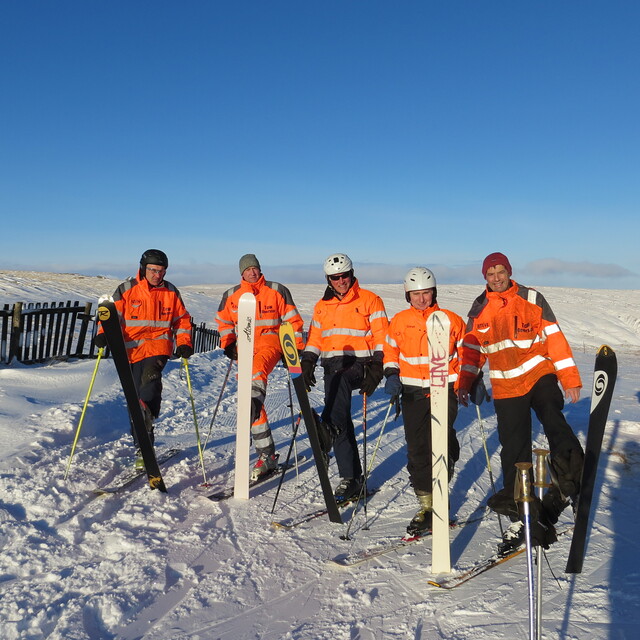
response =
{"points": [[406, 348], [151, 318], [274, 305], [355, 326], [517, 332]]}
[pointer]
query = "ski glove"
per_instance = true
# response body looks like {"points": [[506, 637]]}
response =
{"points": [[372, 377], [231, 351], [478, 392], [543, 533], [100, 341], [184, 351], [393, 387], [308, 376]]}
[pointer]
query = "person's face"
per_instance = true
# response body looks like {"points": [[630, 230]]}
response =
{"points": [[251, 275], [154, 273], [341, 282], [421, 299], [498, 278]]}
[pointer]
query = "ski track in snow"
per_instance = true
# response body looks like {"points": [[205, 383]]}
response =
{"points": [[142, 564]]}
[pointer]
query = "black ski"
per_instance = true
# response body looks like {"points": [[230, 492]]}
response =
{"points": [[129, 476], [110, 321], [292, 360], [604, 379], [292, 523]]}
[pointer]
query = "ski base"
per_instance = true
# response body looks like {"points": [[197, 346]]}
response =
{"points": [[292, 523], [360, 557], [228, 493], [129, 476], [481, 566], [478, 568]]}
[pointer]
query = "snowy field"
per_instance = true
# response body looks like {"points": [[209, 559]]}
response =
{"points": [[142, 564]]}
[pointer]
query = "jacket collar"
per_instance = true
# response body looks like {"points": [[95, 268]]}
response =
{"points": [[330, 294], [253, 288]]}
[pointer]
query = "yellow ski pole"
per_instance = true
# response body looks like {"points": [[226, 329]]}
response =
{"points": [[195, 419], [84, 408]]}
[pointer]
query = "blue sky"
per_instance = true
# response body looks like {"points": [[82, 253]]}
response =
{"points": [[401, 133]]}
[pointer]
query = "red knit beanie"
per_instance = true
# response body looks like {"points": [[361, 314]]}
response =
{"points": [[493, 260]]}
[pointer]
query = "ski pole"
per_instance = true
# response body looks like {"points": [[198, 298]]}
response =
{"points": [[363, 488], [523, 490], [540, 483], [291, 445], [84, 408], [486, 454], [293, 426], [215, 411], [368, 470], [195, 419]]}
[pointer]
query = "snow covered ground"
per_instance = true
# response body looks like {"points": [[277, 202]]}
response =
{"points": [[142, 564]]}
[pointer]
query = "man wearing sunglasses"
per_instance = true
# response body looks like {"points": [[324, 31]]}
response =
{"points": [[153, 319], [347, 334]]}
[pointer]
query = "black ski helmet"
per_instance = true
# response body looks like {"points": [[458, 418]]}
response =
{"points": [[154, 256]]}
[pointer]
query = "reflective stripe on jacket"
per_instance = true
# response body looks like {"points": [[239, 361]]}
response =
{"points": [[517, 332], [274, 305], [151, 318], [407, 351], [355, 326]]}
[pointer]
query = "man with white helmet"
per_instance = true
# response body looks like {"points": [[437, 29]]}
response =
{"points": [[406, 368], [347, 333]]}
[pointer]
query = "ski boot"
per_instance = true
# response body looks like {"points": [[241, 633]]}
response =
{"points": [[347, 490], [422, 521], [512, 538], [266, 464]]}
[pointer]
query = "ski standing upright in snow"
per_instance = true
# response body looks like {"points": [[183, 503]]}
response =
{"points": [[110, 321], [438, 328], [292, 360], [246, 334], [604, 379]]}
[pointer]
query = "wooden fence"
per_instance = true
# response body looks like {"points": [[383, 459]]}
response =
{"points": [[41, 331]]}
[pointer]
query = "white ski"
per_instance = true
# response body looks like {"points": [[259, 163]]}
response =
{"points": [[245, 332], [438, 328]]}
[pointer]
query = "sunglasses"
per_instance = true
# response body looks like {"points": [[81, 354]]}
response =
{"points": [[339, 276]]}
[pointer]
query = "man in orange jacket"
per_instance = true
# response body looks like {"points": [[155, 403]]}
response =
{"points": [[406, 368], [347, 334], [274, 305], [514, 328], [153, 318]]}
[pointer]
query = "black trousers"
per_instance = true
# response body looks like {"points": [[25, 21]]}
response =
{"points": [[147, 378], [416, 412], [338, 387], [514, 426]]}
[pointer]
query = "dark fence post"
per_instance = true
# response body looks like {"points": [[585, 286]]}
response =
{"points": [[14, 341], [85, 318]]}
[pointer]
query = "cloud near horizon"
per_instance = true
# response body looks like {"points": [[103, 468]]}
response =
{"points": [[550, 271], [553, 266]]}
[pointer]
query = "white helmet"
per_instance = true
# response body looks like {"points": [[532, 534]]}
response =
{"points": [[419, 278], [337, 263]]}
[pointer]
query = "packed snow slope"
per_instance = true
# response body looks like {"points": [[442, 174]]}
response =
{"points": [[143, 564]]}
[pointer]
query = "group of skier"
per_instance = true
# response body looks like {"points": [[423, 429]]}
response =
{"points": [[510, 326]]}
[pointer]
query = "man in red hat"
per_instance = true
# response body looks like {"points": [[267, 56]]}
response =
{"points": [[514, 329]]}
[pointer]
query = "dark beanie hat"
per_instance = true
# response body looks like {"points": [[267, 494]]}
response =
{"points": [[248, 260], [493, 260]]}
